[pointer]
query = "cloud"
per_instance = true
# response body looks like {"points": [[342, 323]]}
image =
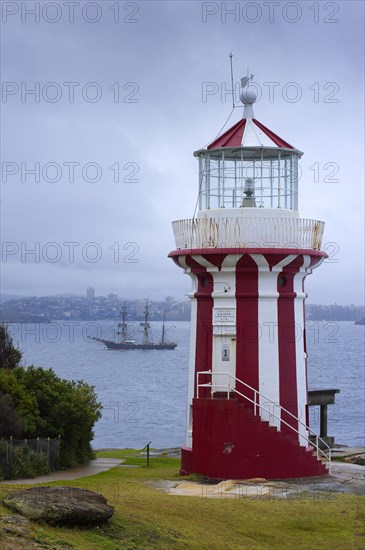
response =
{"points": [[151, 116]]}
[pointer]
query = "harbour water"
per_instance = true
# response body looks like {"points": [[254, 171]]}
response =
{"points": [[143, 392]]}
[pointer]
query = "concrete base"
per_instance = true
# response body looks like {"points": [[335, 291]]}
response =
{"points": [[344, 478], [330, 440]]}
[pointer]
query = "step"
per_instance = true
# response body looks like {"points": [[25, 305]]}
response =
{"points": [[224, 395], [257, 445]]}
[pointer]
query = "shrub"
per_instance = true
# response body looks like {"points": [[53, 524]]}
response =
{"points": [[26, 463], [44, 405]]}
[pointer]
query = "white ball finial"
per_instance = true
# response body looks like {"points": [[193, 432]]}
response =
{"points": [[248, 96]]}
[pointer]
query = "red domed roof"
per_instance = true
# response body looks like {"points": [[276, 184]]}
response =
{"points": [[249, 132]]}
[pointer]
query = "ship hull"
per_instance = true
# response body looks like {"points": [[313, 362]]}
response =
{"points": [[125, 346]]}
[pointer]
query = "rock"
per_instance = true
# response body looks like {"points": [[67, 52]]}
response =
{"points": [[356, 459], [61, 505], [16, 534], [15, 525]]}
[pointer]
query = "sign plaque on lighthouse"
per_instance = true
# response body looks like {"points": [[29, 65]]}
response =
{"points": [[248, 252]]}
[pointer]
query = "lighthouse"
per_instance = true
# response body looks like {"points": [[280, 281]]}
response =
{"points": [[248, 252]]}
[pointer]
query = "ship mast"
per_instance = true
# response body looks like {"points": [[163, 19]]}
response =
{"points": [[146, 326], [123, 332], [163, 329]]}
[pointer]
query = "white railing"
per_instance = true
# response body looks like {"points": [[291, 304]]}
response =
{"points": [[258, 407], [248, 232]]}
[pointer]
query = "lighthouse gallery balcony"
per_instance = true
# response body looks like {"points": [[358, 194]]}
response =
{"points": [[254, 228]]}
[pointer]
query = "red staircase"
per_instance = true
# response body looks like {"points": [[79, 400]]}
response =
{"points": [[230, 442]]}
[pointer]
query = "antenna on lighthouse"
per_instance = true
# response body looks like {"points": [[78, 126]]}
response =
{"points": [[232, 81]]}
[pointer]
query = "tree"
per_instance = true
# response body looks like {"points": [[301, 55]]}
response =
{"points": [[10, 423], [10, 356]]}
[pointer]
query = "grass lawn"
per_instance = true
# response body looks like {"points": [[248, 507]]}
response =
{"points": [[147, 518]]}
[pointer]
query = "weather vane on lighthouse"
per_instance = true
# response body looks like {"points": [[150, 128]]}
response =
{"points": [[247, 389], [247, 96]]}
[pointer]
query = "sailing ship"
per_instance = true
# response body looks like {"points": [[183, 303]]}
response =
{"points": [[122, 341]]}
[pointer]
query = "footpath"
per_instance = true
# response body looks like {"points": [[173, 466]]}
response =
{"points": [[94, 467]]}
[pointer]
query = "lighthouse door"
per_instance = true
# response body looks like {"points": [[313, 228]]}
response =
{"points": [[224, 363]]}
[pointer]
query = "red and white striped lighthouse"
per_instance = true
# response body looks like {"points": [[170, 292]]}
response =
{"points": [[248, 253]]}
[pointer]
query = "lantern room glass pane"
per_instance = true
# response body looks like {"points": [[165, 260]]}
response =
{"points": [[240, 178]]}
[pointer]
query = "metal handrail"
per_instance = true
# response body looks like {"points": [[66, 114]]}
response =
{"points": [[248, 232], [254, 402]]}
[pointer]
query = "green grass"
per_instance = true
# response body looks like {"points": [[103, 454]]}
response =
{"points": [[146, 518]]}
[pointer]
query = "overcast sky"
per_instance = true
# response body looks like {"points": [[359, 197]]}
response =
{"points": [[138, 86]]}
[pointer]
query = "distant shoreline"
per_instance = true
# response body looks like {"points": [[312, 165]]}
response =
{"points": [[25, 319], [41, 320]]}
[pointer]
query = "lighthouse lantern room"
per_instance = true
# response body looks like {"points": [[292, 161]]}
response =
{"points": [[248, 252]]}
